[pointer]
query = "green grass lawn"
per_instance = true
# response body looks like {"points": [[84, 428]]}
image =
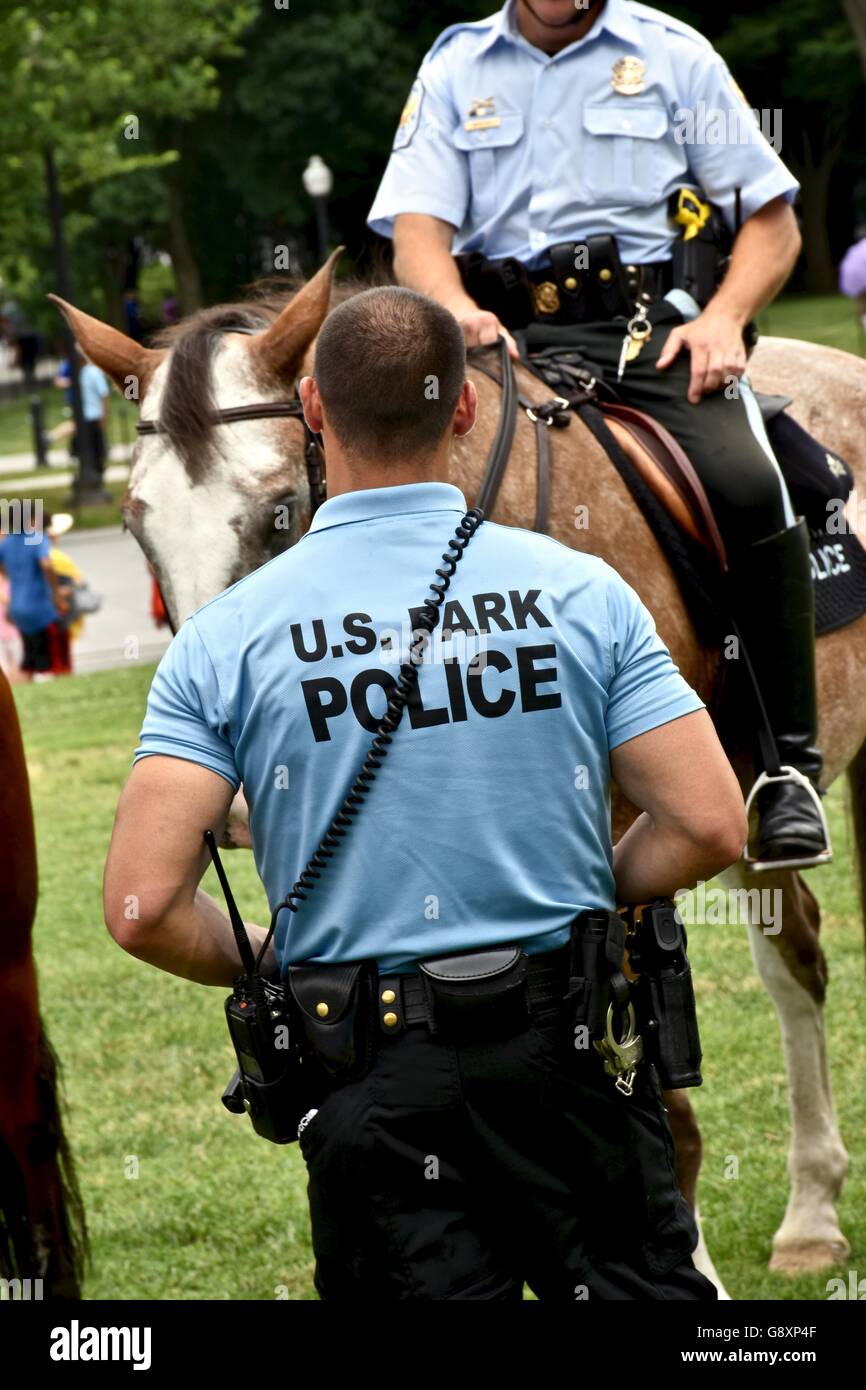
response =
{"points": [[88, 516], [829, 319], [16, 432], [213, 1211]]}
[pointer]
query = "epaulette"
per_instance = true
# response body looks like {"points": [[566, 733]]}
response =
{"points": [[479, 25], [676, 26]]}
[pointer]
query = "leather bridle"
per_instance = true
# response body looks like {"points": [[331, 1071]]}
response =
{"points": [[314, 455]]}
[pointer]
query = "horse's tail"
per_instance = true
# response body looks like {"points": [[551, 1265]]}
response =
{"points": [[43, 1230], [857, 783]]}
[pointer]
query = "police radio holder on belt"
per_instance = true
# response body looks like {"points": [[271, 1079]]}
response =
{"points": [[290, 1039]]}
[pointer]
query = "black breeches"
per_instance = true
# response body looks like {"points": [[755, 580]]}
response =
{"points": [[743, 486]]}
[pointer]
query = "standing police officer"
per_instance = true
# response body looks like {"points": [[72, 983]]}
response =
{"points": [[556, 154], [450, 1168]]}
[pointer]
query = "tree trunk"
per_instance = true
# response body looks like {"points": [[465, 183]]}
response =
{"points": [[814, 176], [856, 12], [186, 272]]}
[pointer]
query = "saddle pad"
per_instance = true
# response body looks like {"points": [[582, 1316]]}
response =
{"points": [[838, 560], [839, 575]]}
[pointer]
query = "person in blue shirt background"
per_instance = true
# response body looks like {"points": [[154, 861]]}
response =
{"points": [[35, 599], [542, 146], [95, 394], [475, 833]]}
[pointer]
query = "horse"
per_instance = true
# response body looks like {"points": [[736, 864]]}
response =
{"points": [[210, 499], [43, 1233]]}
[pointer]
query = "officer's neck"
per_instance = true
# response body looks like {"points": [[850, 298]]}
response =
{"points": [[348, 473], [552, 38]]}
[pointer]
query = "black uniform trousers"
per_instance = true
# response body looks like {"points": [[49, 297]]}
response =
{"points": [[741, 482], [461, 1171]]}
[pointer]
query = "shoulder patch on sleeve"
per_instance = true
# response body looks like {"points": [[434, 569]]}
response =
{"points": [[410, 115]]}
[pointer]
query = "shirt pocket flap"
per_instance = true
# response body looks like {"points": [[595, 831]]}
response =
{"points": [[645, 122], [507, 132]]}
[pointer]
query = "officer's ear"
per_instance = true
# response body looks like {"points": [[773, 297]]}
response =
{"points": [[466, 409], [281, 348]]}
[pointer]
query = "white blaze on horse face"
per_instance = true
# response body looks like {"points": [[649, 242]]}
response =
{"points": [[202, 536]]}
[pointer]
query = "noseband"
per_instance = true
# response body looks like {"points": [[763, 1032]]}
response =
{"points": [[314, 456]]}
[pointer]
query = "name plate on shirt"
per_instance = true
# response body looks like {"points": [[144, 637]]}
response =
{"points": [[486, 124]]}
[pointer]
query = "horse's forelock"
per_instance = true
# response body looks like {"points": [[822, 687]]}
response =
{"points": [[187, 403]]}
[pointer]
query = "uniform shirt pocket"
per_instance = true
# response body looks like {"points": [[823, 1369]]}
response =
{"points": [[628, 155], [488, 151]]}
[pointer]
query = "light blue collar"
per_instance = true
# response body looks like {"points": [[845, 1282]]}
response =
{"points": [[369, 504], [617, 17]]}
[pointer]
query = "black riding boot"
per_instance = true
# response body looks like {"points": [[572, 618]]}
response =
{"points": [[773, 603]]}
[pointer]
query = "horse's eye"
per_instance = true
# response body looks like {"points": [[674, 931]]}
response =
{"points": [[280, 522]]}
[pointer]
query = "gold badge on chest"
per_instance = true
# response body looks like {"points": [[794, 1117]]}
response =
{"points": [[628, 76]]}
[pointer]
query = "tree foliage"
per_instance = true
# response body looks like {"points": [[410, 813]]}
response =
{"points": [[249, 89]]}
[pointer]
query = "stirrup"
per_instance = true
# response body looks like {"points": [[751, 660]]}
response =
{"points": [[824, 856]]}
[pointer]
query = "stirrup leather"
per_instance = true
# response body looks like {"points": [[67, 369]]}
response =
{"points": [[824, 856]]}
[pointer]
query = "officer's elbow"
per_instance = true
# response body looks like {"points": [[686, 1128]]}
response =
{"points": [[132, 918], [719, 832]]}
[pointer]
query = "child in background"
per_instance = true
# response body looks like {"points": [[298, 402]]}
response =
{"points": [[10, 638]]}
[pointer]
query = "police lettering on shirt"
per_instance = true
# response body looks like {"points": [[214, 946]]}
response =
{"points": [[528, 686]]}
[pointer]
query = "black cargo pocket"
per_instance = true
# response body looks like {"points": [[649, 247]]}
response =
{"points": [[671, 1242]]}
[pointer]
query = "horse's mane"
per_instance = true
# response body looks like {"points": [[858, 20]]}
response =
{"points": [[187, 405]]}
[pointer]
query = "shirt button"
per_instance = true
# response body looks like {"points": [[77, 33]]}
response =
{"points": [[545, 125], [626, 125]]}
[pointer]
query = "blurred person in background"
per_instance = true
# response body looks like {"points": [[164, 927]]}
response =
{"points": [[70, 581], [36, 600], [10, 637], [94, 389]]}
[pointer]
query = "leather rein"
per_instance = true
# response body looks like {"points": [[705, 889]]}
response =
{"points": [[314, 454], [554, 412]]}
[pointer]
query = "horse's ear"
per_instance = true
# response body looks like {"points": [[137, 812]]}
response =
{"points": [[281, 347], [121, 358]]}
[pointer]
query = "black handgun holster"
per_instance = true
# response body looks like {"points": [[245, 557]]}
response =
{"points": [[336, 1004], [665, 997]]}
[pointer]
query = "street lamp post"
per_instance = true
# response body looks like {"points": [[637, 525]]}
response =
{"points": [[318, 182]]}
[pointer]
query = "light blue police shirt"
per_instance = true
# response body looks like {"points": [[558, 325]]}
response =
{"points": [[489, 819], [561, 154]]}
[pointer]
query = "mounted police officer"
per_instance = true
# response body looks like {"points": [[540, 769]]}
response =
{"points": [[561, 168], [465, 1137]]}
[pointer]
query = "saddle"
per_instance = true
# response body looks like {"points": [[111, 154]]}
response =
{"points": [[669, 492], [669, 474]]}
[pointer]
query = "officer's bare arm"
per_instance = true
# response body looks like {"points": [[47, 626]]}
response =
{"points": [[423, 262], [763, 257], [153, 906], [693, 823]]}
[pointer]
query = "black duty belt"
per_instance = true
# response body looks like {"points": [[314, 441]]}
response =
{"points": [[581, 282], [652, 277], [403, 1001]]}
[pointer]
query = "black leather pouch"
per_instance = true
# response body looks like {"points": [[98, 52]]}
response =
{"points": [[476, 995], [336, 1004]]}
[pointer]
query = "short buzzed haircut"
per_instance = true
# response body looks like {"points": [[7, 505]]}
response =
{"points": [[390, 365]]}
